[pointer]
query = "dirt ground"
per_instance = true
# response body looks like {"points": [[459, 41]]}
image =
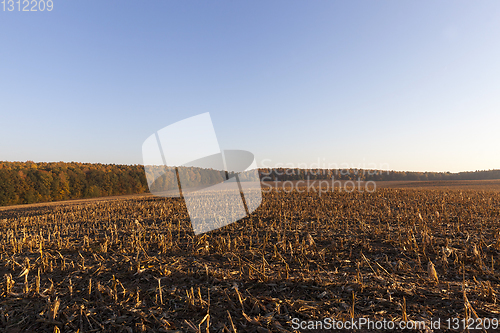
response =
{"points": [[412, 254]]}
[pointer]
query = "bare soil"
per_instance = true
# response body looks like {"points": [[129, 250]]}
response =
{"points": [[133, 264]]}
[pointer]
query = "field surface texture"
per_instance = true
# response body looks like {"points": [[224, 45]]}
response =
{"points": [[134, 265]]}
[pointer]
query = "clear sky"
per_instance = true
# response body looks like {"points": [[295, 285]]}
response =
{"points": [[408, 85]]}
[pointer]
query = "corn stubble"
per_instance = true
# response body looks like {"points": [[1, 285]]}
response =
{"points": [[134, 265]]}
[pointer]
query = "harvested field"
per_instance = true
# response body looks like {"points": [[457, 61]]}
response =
{"points": [[134, 264], [328, 185]]}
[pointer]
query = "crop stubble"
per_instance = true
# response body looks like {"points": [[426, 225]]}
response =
{"points": [[134, 265]]}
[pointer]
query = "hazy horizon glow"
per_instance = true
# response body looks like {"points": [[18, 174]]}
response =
{"points": [[409, 85]]}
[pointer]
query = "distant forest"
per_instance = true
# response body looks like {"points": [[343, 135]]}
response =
{"points": [[284, 174], [29, 182]]}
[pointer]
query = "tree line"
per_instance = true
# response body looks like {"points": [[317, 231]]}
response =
{"points": [[284, 174], [30, 182]]}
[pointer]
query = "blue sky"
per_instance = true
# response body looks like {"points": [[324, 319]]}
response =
{"points": [[399, 84]]}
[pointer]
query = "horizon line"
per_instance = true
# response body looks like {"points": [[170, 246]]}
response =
{"points": [[260, 168]]}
